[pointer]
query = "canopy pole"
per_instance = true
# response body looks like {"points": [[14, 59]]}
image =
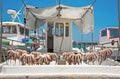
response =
{"points": [[1, 30], [92, 41], [82, 37], [119, 29], [81, 41], [59, 2], [119, 18], [25, 26], [25, 32]]}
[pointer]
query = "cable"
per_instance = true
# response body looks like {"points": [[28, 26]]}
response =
{"points": [[88, 8]]}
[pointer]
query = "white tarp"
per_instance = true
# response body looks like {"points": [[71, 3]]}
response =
{"points": [[86, 24], [35, 17]]}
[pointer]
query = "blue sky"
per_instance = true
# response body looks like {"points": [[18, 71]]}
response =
{"points": [[105, 13]]}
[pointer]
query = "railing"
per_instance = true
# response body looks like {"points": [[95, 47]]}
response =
{"points": [[112, 43], [10, 43], [6, 46]]}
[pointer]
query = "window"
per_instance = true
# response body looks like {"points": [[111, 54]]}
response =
{"points": [[9, 29], [14, 30], [104, 32], [21, 30], [5, 29], [114, 33], [61, 29], [67, 29], [27, 32], [24, 30], [57, 29], [50, 28]]}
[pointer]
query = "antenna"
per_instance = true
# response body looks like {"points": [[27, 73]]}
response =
{"points": [[59, 8], [14, 14]]}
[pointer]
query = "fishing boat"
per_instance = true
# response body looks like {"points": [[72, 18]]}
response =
{"points": [[14, 33], [109, 34], [59, 40], [109, 37]]}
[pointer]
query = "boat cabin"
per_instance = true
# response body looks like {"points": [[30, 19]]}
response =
{"points": [[14, 31], [109, 35], [59, 35], [59, 20]]}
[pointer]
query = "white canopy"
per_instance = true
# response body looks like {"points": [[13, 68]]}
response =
{"points": [[35, 17]]}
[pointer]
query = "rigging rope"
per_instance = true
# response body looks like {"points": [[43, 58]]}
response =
{"points": [[86, 11], [27, 8]]}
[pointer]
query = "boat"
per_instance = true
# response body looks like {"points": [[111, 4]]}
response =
{"points": [[59, 40], [109, 35], [109, 38], [14, 33]]}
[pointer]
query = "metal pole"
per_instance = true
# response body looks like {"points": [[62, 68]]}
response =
{"points": [[119, 26], [59, 2], [1, 30], [116, 57], [25, 33], [81, 40], [92, 42], [119, 17]]}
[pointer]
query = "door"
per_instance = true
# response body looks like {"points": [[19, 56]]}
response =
{"points": [[50, 37]]}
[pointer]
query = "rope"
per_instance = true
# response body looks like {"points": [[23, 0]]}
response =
{"points": [[61, 43], [86, 11], [29, 9]]}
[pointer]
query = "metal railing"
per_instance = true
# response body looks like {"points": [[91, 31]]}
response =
{"points": [[112, 43]]}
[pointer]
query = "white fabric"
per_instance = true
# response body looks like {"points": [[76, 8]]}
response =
{"points": [[73, 13], [86, 24]]}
